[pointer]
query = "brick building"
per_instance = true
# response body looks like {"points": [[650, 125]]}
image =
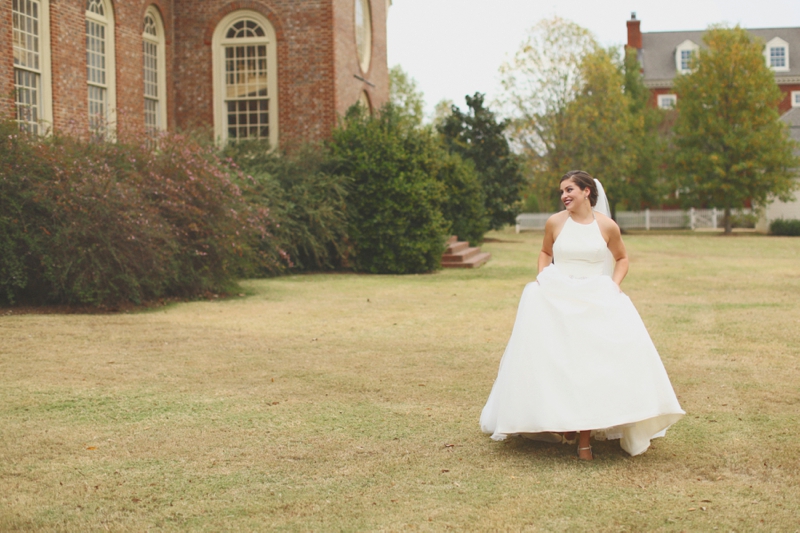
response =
{"points": [[276, 69], [663, 55]]}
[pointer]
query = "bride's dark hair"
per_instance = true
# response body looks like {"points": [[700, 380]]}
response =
{"points": [[583, 180]]}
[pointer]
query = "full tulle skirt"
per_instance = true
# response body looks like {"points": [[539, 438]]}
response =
{"points": [[580, 358]]}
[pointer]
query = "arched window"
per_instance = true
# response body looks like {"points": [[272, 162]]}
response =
{"points": [[32, 81], [100, 68], [245, 78], [363, 34], [154, 72]]}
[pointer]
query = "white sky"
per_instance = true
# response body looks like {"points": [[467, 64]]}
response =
{"points": [[455, 47]]}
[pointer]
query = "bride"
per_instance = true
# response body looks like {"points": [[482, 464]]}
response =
{"points": [[580, 360]]}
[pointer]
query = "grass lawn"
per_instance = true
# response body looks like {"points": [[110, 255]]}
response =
{"points": [[350, 402]]}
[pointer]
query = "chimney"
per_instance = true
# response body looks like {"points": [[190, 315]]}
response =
{"points": [[634, 32]]}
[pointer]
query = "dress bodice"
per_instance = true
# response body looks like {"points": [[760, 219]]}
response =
{"points": [[580, 250]]}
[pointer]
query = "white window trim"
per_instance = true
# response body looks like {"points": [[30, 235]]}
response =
{"points": [[661, 100], [795, 96], [111, 63], [46, 68], [777, 42], [162, 64], [686, 45], [218, 59]]}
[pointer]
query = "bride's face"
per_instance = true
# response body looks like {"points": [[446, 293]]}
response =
{"points": [[572, 196]]}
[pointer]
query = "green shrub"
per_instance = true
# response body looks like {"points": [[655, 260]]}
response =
{"points": [[306, 203], [463, 206], [394, 206], [786, 228], [101, 223], [480, 136]]}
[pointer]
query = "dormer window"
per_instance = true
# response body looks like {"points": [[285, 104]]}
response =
{"points": [[777, 55], [684, 55]]}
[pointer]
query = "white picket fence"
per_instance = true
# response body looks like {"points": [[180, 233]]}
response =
{"points": [[646, 220]]}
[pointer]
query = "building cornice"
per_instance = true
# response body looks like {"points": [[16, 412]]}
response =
{"points": [[667, 84]]}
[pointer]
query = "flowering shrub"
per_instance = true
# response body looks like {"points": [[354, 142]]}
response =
{"points": [[306, 203], [101, 223]]}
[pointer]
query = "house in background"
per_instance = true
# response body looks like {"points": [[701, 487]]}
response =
{"points": [[778, 209], [275, 69], [664, 55]]}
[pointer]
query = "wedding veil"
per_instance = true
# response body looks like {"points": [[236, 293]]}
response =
{"points": [[603, 207]]}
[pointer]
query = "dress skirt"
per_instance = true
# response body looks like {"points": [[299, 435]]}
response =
{"points": [[580, 358]]}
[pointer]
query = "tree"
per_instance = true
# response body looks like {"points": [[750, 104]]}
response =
{"points": [[538, 83], [405, 95], [478, 135], [609, 130], [729, 144]]}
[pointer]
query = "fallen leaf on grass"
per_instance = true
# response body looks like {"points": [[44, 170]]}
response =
{"points": [[702, 508], [449, 445], [705, 501], [91, 447], [692, 509], [444, 470]]}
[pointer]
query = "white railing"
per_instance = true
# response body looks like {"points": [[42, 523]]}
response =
{"points": [[646, 220]]}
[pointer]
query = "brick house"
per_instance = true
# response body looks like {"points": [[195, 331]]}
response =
{"points": [[276, 69], [663, 55]]}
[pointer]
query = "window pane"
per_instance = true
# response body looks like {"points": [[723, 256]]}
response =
{"points": [[246, 90]]}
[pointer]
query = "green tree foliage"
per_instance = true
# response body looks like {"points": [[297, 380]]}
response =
{"points": [[306, 203], [394, 208], [609, 130], [729, 144], [405, 95], [478, 135], [538, 83]]}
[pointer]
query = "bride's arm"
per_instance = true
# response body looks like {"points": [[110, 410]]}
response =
{"points": [[617, 248], [546, 255]]}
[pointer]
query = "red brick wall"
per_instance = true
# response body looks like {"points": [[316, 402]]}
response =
{"points": [[315, 49], [305, 69], [786, 103], [68, 53], [7, 66], [348, 87]]}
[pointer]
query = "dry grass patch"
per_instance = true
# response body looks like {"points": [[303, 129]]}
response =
{"points": [[348, 402]]}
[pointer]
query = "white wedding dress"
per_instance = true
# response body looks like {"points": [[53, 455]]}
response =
{"points": [[580, 357]]}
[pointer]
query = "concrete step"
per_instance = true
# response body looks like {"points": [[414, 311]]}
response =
{"points": [[473, 262], [456, 247], [461, 255]]}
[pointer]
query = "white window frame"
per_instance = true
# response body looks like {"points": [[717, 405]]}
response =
{"points": [[45, 72], [777, 42], [662, 99], [685, 46], [795, 96], [111, 67], [218, 43], [161, 67]]}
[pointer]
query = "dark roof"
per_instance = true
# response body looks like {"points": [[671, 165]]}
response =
{"points": [[658, 53]]}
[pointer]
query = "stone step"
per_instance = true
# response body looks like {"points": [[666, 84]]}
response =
{"points": [[473, 262], [456, 247], [461, 255]]}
